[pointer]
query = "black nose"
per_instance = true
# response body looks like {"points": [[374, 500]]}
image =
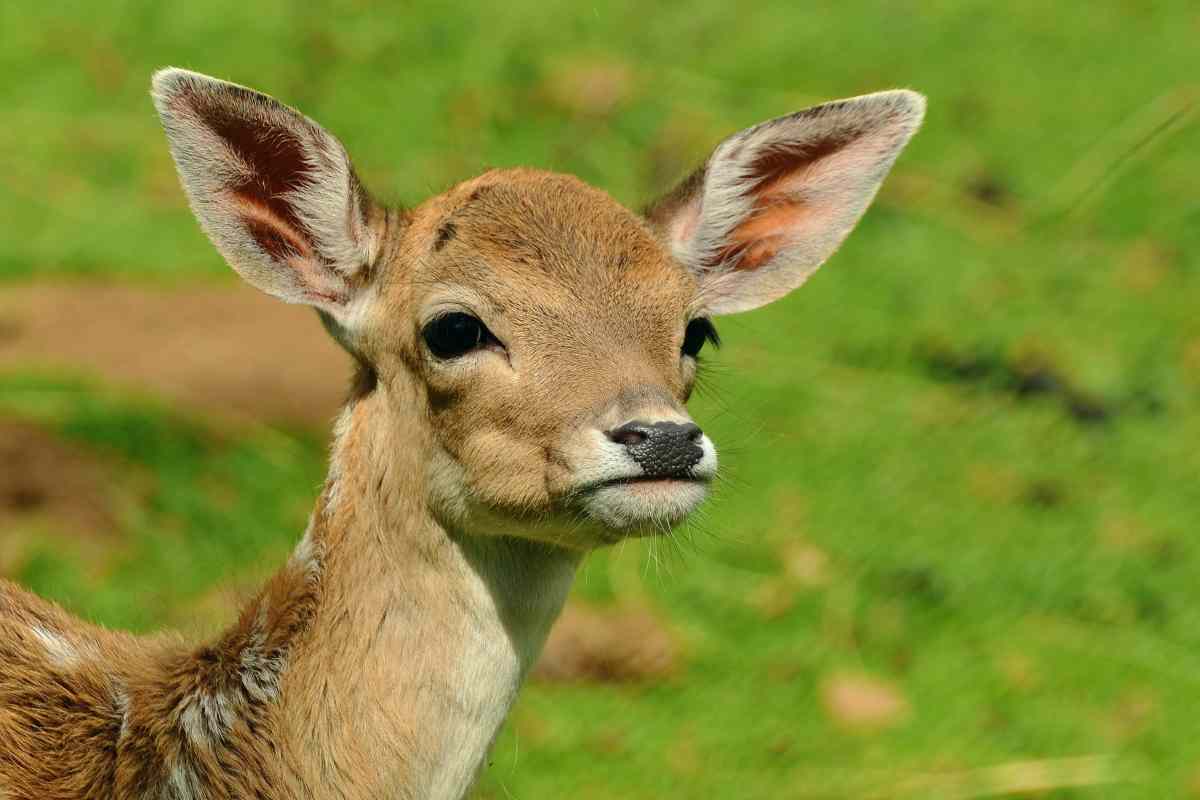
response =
{"points": [[661, 449]]}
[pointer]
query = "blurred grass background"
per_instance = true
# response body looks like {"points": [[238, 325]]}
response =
{"points": [[957, 553]]}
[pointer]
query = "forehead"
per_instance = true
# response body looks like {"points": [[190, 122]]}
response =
{"points": [[525, 238]]}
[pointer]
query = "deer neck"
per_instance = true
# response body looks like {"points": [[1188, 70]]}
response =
{"points": [[419, 635]]}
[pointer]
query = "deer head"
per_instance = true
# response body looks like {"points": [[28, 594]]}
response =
{"points": [[539, 340]]}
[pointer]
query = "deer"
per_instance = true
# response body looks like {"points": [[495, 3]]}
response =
{"points": [[524, 347]]}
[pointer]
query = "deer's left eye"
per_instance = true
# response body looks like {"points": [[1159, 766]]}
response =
{"points": [[699, 331], [456, 334]]}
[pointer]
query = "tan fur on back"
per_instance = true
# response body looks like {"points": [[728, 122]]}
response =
{"points": [[62, 707]]}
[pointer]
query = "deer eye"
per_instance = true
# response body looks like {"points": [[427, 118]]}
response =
{"points": [[456, 334], [699, 331]]}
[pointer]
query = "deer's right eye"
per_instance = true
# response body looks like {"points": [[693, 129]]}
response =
{"points": [[456, 334]]}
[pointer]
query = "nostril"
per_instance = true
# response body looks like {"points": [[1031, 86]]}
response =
{"points": [[630, 434], [692, 432], [628, 438]]}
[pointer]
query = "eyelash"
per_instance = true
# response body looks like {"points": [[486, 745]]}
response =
{"points": [[699, 331]]}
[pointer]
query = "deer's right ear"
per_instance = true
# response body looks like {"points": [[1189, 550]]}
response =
{"points": [[273, 191]]}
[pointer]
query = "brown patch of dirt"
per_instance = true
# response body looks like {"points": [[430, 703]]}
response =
{"points": [[995, 484], [1019, 671], [1190, 360], [773, 598], [1135, 712], [1145, 265], [50, 487], [805, 567], [45, 477], [806, 564], [862, 703], [589, 645], [586, 88], [225, 349]]}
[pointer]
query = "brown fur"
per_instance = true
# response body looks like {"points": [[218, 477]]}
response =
{"points": [[381, 660], [123, 723]]}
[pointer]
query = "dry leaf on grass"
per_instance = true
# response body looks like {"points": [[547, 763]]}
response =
{"points": [[590, 88], [862, 703], [607, 646]]}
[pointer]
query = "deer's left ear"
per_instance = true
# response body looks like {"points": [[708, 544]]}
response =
{"points": [[272, 189], [774, 201]]}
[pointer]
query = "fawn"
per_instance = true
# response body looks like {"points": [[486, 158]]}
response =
{"points": [[524, 348]]}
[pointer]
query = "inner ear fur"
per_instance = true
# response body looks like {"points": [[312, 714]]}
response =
{"points": [[774, 201], [273, 190]]}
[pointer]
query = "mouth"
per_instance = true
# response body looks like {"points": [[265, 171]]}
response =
{"points": [[643, 504], [632, 480]]}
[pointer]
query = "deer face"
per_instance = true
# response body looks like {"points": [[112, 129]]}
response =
{"points": [[548, 324], [551, 335]]}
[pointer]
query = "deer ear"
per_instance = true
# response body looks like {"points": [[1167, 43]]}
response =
{"points": [[774, 201], [273, 191]]}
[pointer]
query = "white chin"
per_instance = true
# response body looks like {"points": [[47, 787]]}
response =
{"points": [[647, 504]]}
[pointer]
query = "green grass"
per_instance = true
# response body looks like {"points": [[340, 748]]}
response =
{"points": [[1020, 565], [199, 506]]}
